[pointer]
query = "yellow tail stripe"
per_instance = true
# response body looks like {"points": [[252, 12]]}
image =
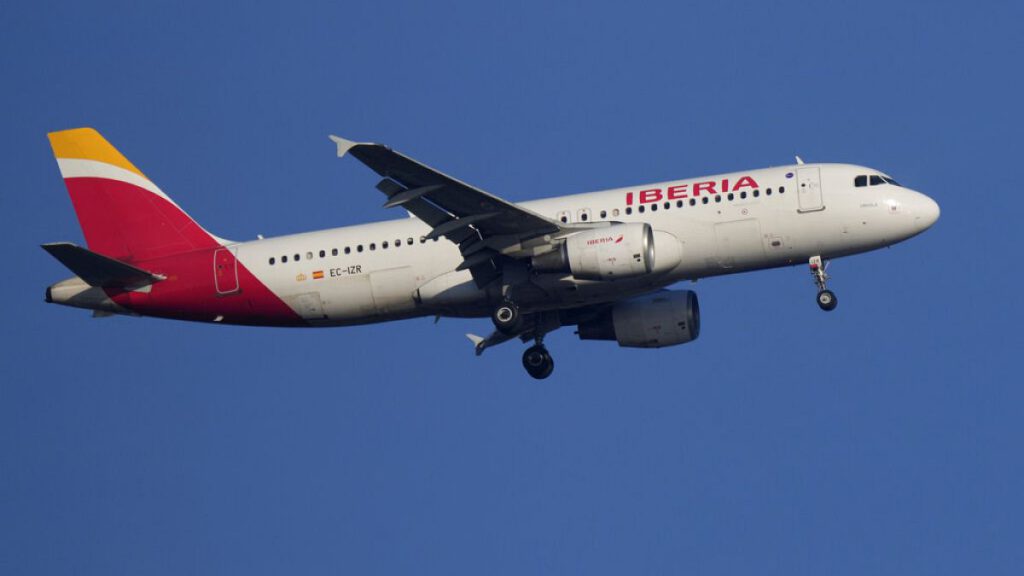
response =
{"points": [[87, 144]]}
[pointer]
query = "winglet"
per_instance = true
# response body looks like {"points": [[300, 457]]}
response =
{"points": [[343, 145]]}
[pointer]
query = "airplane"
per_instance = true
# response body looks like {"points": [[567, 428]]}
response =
{"points": [[601, 261]]}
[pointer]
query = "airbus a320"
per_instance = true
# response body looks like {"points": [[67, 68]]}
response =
{"points": [[600, 261]]}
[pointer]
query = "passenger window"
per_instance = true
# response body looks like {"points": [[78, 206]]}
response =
{"points": [[757, 193], [583, 217], [359, 248], [679, 203], [718, 198], [743, 195], [348, 250], [704, 200], [323, 253], [384, 245], [408, 241], [398, 242], [876, 180], [334, 251], [782, 189], [373, 245], [297, 258], [284, 259], [615, 212], [768, 192], [629, 211], [693, 201], [654, 207], [271, 261], [641, 209], [731, 196], [668, 205], [604, 214]]}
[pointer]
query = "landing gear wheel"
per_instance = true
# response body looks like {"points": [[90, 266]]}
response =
{"points": [[506, 318], [538, 362], [827, 300]]}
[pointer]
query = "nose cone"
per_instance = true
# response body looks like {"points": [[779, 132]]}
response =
{"points": [[926, 212], [922, 211]]}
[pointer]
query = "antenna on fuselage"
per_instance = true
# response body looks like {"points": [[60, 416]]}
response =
{"points": [[800, 161]]}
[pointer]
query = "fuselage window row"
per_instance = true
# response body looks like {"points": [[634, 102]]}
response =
{"points": [[583, 217], [348, 249]]}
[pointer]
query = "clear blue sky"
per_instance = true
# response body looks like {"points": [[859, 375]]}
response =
{"points": [[884, 438]]}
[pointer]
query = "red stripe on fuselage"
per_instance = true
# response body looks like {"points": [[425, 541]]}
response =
{"points": [[134, 225], [190, 293]]}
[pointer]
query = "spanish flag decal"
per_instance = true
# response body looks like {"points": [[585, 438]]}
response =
{"points": [[318, 274]]}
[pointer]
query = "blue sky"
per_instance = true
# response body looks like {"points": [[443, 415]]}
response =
{"points": [[883, 438]]}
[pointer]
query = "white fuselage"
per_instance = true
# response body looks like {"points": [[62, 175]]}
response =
{"points": [[385, 270]]}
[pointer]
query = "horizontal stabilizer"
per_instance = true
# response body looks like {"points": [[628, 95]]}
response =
{"points": [[99, 270]]}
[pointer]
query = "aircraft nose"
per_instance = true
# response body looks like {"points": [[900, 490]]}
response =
{"points": [[926, 212]]}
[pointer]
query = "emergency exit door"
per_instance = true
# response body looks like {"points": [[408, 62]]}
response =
{"points": [[225, 271], [809, 189]]}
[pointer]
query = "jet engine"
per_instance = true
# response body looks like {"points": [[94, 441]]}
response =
{"points": [[655, 320], [609, 253]]}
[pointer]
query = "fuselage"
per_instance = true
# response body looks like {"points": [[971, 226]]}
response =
{"points": [[724, 224]]}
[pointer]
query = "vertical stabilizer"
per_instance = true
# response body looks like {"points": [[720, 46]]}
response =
{"points": [[122, 213]]}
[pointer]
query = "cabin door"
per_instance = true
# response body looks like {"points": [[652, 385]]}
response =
{"points": [[808, 192], [225, 271]]}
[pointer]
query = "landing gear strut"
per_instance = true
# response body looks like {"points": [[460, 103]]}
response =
{"points": [[538, 361], [826, 298]]}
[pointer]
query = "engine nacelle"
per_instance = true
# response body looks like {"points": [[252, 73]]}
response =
{"points": [[654, 320], [610, 253]]}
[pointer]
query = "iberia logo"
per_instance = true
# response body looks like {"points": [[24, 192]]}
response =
{"points": [[318, 274], [605, 240]]}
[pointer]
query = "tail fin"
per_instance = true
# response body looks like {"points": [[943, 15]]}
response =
{"points": [[122, 213]]}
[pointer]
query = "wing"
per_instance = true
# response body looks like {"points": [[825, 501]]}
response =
{"points": [[486, 228]]}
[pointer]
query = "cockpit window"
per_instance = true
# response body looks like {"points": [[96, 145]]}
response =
{"points": [[875, 180]]}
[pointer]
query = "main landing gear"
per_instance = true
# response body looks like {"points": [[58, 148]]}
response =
{"points": [[826, 298], [537, 361], [510, 324], [507, 319]]}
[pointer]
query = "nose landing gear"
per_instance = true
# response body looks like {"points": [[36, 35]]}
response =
{"points": [[827, 300]]}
